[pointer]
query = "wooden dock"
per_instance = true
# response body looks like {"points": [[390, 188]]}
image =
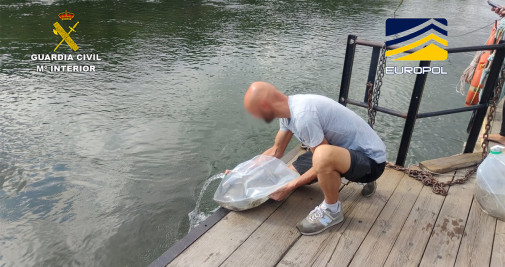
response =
{"points": [[403, 224]]}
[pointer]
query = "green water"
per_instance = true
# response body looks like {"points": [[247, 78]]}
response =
{"points": [[102, 168]]}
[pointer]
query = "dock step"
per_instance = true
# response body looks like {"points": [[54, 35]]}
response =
{"points": [[452, 163]]}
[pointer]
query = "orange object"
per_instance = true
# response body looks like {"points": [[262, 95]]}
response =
{"points": [[472, 97]]}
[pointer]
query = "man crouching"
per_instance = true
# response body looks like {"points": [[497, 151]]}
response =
{"points": [[341, 144]]}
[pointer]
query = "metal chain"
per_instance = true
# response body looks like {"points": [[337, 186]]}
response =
{"points": [[427, 178], [423, 176], [374, 90], [490, 114], [441, 187]]}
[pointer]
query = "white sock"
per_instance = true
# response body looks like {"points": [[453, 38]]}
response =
{"points": [[336, 207]]}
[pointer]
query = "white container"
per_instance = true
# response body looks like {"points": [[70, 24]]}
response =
{"points": [[490, 188]]}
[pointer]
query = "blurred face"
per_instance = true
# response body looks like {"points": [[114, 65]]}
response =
{"points": [[267, 115], [262, 112]]}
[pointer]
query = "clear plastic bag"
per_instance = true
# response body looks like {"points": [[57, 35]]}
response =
{"points": [[249, 184]]}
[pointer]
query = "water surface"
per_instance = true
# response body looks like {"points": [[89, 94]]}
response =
{"points": [[102, 169]]}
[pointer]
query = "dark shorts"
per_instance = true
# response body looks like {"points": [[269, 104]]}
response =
{"points": [[363, 169]]}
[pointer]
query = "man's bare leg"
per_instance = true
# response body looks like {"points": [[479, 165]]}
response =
{"points": [[498, 138], [330, 162]]}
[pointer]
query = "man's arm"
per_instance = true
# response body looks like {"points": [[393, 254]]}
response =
{"points": [[303, 179], [281, 142], [277, 150], [499, 10]]}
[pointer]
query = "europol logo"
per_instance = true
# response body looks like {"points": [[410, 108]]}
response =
{"points": [[65, 36], [417, 33]]}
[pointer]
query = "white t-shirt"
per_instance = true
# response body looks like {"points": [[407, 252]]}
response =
{"points": [[314, 117]]}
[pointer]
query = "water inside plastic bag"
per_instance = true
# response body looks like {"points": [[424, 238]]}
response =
{"points": [[250, 183]]}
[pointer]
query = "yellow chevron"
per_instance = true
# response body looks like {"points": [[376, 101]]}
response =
{"points": [[431, 52], [416, 44]]}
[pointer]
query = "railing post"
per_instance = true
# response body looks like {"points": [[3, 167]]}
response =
{"points": [[415, 102], [487, 94], [346, 72], [374, 60]]}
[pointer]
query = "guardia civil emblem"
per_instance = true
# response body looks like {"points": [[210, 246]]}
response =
{"points": [[65, 36]]}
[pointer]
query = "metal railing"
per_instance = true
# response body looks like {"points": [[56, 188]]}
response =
{"points": [[479, 110]]}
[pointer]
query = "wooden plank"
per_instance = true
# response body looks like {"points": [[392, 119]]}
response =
{"points": [[477, 242], [495, 126], [415, 233], [360, 221], [376, 247], [292, 155], [446, 236], [222, 239], [305, 248], [318, 249], [498, 255], [447, 164], [269, 242]]}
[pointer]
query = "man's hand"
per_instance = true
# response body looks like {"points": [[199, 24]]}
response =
{"points": [[282, 192], [271, 152], [500, 11]]}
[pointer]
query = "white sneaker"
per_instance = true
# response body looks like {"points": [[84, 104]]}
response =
{"points": [[318, 220]]}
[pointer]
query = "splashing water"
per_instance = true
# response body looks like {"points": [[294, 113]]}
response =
{"points": [[196, 216]]}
